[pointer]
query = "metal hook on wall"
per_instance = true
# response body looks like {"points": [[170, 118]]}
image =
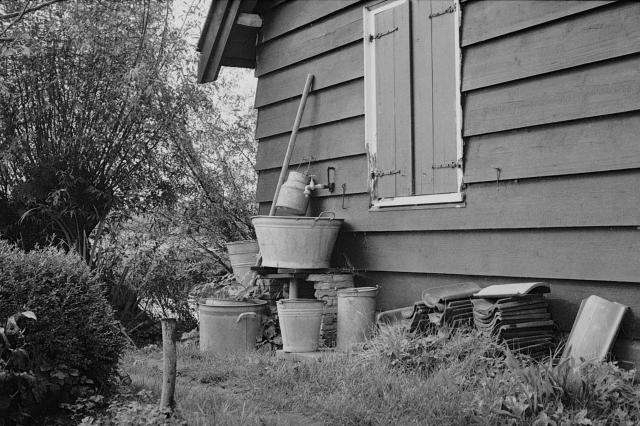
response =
{"points": [[344, 192]]}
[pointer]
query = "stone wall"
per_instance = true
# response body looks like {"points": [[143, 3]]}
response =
{"points": [[326, 288]]}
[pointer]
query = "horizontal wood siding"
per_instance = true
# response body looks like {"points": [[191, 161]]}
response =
{"points": [[610, 199], [332, 140], [328, 69], [581, 39], [595, 90], [487, 19], [579, 254], [289, 16], [333, 104], [333, 32], [583, 146], [551, 118]]}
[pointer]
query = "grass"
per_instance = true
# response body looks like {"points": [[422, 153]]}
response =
{"points": [[458, 379]]}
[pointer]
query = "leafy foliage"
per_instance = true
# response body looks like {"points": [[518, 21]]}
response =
{"points": [[85, 112], [76, 333], [134, 410], [18, 386], [109, 148], [100, 115]]}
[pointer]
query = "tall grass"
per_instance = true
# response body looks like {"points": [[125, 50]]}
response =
{"points": [[447, 379]]}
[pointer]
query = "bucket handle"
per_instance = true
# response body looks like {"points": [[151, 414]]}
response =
{"points": [[321, 213], [245, 315]]}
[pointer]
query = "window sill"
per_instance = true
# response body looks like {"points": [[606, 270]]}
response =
{"points": [[455, 199]]}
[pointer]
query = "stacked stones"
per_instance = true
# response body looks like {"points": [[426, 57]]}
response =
{"points": [[326, 288]]}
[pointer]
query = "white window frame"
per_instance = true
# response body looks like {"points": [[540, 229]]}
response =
{"points": [[369, 13]]}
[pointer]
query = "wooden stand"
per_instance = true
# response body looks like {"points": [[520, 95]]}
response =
{"points": [[295, 276]]}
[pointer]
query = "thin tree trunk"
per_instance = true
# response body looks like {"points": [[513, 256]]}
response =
{"points": [[169, 357]]}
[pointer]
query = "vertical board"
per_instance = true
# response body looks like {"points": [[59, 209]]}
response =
{"points": [[402, 58], [385, 105], [393, 101], [443, 49], [422, 99]]}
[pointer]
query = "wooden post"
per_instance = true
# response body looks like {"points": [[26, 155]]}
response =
{"points": [[293, 288], [292, 142], [169, 360]]}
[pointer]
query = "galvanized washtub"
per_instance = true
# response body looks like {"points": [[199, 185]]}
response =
{"points": [[242, 256], [229, 325], [297, 242]]}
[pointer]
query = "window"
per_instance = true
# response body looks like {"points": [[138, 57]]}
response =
{"points": [[412, 102]]}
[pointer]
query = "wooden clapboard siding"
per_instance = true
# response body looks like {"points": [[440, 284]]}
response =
{"points": [[581, 39], [558, 119], [350, 169], [325, 35], [328, 69], [332, 140], [487, 19], [335, 103], [593, 145], [399, 290], [592, 254], [605, 199], [590, 91], [292, 15]]}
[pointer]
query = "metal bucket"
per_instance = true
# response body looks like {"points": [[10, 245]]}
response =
{"points": [[291, 198], [356, 315], [300, 321], [296, 242], [229, 325], [242, 256]]}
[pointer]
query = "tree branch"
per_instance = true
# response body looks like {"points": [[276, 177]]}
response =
{"points": [[25, 11]]}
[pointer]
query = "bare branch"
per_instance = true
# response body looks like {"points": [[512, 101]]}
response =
{"points": [[26, 11]]}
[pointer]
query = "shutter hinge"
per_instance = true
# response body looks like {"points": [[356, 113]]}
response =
{"points": [[450, 9], [451, 165], [379, 173], [382, 34]]}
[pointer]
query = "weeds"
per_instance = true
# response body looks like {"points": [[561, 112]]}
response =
{"points": [[592, 393], [454, 378]]}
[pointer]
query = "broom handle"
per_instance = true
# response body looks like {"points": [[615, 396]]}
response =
{"points": [[292, 142]]}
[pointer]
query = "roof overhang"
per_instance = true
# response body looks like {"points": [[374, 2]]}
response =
{"points": [[228, 37]]}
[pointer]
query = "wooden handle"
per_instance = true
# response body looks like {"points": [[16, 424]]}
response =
{"points": [[292, 142]]}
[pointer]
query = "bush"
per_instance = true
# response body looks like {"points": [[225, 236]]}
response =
{"points": [[75, 329]]}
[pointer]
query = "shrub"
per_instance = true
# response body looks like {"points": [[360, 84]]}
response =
{"points": [[75, 329]]}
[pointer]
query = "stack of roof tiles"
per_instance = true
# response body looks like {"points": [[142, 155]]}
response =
{"points": [[450, 305], [518, 314], [440, 306]]}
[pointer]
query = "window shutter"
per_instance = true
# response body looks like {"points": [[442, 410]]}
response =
{"points": [[443, 42], [391, 38], [423, 96]]}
